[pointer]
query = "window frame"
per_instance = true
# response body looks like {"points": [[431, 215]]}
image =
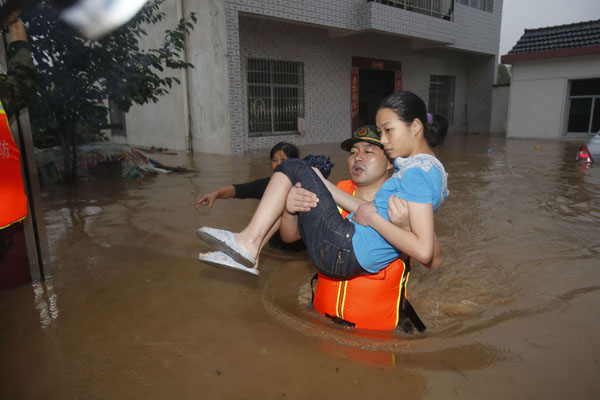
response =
{"points": [[271, 104], [482, 5], [434, 105], [593, 97]]}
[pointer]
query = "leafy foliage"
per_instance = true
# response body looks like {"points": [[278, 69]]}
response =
{"points": [[503, 75], [76, 76]]}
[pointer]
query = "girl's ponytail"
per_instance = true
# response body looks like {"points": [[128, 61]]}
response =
{"points": [[435, 129]]}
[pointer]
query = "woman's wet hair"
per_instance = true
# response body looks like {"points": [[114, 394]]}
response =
{"points": [[408, 107], [289, 149]]}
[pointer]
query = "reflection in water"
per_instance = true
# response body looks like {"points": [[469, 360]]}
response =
{"points": [[459, 359], [45, 302], [511, 313]]}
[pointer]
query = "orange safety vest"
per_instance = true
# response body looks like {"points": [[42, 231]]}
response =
{"points": [[367, 301], [13, 201]]}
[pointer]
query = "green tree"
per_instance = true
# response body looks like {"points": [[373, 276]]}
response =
{"points": [[503, 75], [76, 76]]}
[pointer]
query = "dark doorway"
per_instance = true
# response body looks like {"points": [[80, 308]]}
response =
{"points": [[584, 106], [373, 85]]}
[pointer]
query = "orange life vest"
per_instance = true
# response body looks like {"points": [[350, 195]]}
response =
{"points": [[13, 202], [367, 301]]}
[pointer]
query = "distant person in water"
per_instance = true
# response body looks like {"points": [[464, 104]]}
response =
{"points": [[365, 244], [255, 190]]}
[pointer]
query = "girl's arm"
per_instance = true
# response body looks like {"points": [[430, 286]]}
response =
{"points": [[418, 244], [438, 256], [345, 200], [398, 215]]}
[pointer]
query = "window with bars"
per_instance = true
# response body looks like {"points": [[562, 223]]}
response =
{"points": [[483, 5], [441, 96], [275, 96]]}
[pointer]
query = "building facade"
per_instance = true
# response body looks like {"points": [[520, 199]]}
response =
{"points": [[309, 71], [555, 83]]}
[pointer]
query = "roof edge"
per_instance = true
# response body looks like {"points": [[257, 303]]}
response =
{"points": [[562, 26], [558, 53]]}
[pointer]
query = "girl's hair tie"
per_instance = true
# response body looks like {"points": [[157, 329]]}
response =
{"points": [[429, 118]]}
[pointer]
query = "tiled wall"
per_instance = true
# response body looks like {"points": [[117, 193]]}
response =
{"points": [[326, 77], [327, 60], [478, 31], [391, 19], [472, 29]]}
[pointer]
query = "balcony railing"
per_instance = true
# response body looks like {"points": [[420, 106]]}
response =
{"points": [[443, 9]]}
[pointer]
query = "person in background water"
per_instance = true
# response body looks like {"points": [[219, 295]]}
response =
{"points": [[17, 87], [367, 242], [255, 190]]}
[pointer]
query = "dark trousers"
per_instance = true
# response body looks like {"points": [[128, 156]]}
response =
{"points": [[327, 236]]}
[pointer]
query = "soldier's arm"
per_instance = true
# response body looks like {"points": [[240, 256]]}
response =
{"points": [[18, 86]]}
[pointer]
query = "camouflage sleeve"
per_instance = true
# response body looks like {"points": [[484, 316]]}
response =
{"points": [[18, 85]]}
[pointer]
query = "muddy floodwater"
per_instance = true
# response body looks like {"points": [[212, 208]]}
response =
{"points": [[130, 314]]}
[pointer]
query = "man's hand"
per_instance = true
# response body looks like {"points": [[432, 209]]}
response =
{"points": [[398, 212], [365, 213], [300, 200]]}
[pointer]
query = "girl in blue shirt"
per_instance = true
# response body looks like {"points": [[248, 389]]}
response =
{"points": [[366, 243]]}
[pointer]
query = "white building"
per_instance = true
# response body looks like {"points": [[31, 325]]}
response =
{"points": [[555, 84], [308, 71]]}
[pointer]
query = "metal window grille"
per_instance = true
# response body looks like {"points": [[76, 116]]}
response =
{"points": [[443, 9], [275, 96], [441, 96], [484, 5]]}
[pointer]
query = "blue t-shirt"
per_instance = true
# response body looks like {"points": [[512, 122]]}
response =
{"points": [[421, 179]]}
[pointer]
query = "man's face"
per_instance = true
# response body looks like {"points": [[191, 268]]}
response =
{"points": [[367, 163]]}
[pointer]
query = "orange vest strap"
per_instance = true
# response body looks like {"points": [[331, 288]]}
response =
{"points": [[348, 187]]}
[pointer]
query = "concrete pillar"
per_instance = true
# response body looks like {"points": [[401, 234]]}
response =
{"points": [[208, 82]]}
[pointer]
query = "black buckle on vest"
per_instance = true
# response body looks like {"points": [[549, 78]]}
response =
{"points": [[340, 321], [407, 316]]}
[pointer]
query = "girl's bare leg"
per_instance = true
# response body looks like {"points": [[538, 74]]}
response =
{"points": [[265, 220], [270, 234]]}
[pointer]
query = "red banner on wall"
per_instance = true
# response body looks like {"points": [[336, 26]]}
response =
{"points": [[398, 81], [354, 95]]}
